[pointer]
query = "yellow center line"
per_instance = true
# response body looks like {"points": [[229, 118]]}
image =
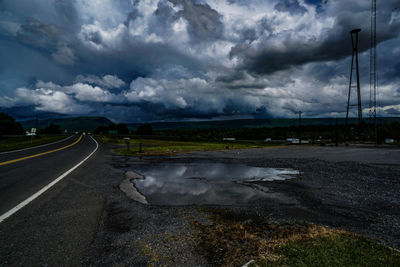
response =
{"points": [[40, 154]]}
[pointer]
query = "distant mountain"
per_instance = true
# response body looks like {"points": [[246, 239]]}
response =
{"points": [[70, 124], [91, 123], [253, 123]]}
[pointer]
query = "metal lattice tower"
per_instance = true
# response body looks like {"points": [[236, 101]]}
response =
{"points": [[354, 61], [372, 65]]}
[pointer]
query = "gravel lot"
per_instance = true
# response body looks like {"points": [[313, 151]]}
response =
{"points": [[352, 188]]}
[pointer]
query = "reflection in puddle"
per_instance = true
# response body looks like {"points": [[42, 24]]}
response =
{"points": [[205, 183]]}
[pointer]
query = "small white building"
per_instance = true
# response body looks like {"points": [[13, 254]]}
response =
{"points": [[228, 139], [389, 141], [296, 141], [292, 140]]}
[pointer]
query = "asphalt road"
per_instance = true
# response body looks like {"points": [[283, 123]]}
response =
{"points": [[19, 180], [57, 227]]}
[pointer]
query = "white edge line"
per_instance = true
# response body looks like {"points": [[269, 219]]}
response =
{"points": [[44, 189], [59, 141]]}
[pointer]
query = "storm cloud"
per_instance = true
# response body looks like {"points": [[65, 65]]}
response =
{"points": [[153, 60]]}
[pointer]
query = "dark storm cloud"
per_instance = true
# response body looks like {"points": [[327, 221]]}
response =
{"points": [[134, 59], [130, 59], [132, 15], [38, 34], [291, 6], [231, 109], [186, 59], [393, 111], [333, 44], [165, 14], [204, 22], [388, 59], [30, 112]]}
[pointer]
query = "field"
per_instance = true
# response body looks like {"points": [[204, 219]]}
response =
{"points": [[19, 142], [163, 147], [255, 123]]}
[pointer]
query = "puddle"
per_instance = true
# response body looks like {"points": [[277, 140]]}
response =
{"points": [[205, 183]]}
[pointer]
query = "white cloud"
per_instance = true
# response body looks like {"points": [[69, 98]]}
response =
{"points": [[107, 81], [73, 99], [86, 92], [96, 37], [81, 91], [50, 101]]}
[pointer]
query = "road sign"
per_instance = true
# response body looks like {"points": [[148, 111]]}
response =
{"points": [[127, 142]]}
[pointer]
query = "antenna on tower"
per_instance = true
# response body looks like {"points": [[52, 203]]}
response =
{"points": [[372, 73]]}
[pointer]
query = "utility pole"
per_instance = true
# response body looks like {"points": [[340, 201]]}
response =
{"points": [[336, 133], [299, 127], [36, 124]]}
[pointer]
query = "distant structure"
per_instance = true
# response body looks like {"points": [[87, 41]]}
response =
{"points": [[372, 66], [354, 67]]}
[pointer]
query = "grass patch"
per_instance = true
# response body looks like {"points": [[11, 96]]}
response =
{"points": [[339, 249], [161, 147], [20, 142], [230, 242]]}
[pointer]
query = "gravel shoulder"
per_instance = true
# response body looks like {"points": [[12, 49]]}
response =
{"points": [[354, 189]]}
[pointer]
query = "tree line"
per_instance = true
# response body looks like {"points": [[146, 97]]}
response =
{"points": [[8, 126], [307, 132]]}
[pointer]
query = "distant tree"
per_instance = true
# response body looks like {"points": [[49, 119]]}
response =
{"points": [[101, 130], [52, 129], [9, 126], [145, 129], [112, 127], [122, 129]]}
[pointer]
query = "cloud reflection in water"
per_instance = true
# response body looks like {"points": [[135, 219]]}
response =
{"points": [[206, 183]]}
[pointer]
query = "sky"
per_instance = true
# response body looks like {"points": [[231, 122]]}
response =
{"points": [[175, 60]]}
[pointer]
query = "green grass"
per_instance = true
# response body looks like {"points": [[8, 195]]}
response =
{"points": [[334, 250], [230, 240], [152, 146], [20, 142]]}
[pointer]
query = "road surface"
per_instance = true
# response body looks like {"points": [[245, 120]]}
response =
{"points": [[57, 227], [23, 173]]}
